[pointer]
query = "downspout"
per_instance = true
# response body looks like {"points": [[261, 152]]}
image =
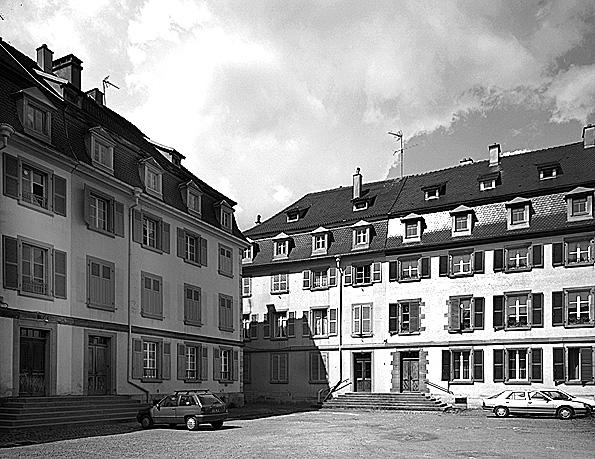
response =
{"points": [[137, 192], [340, 325]]}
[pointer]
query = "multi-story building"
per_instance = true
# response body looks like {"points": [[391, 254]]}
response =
{"points": [[120, 268], [468, 279]]}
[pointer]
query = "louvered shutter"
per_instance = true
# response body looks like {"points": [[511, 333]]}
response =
{"points": [[348, 275], [137, 226], [11, 262], [445, 365], [393, 318], [393, 269], [59, 274], [283, 370], [332, 277], [536, 365], [204, 364], [235, 367], [478, 305], [414, 316], [11, 176], [266, 327], [443, 266], [87, 206], [118, 219], [478, 261], [216, 364], [204, 252], [165, 237], [166, 361], [137, 358], [59, 195], [306, 279], [498, 260], [557, 254], [454, 315], [291, 325], [586, 364], [537, 309], [181, 243], [498, 365], [182, 361], [376, 271], [537, 252], [478, 365], [426, 267], [557, 309], [498, 313], [558, 364], [366, 319], [332, 321]]}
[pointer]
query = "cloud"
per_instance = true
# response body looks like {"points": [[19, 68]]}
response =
{"points": [[574, 94], [282, 195]]}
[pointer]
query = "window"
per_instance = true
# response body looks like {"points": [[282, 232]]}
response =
{"points": [[465, 313], [279, 283], [362, 275], [279, 368], [281, 249], [150, 231], [319, 322], [153, 180], [279, 323], [226, 313], [319, 243], [191, 247], [433, 193], [101, 282], [518, 310], [518, 365], [462, 263], [254, 326], [320, 278], [225, 365], [574, 307], [548, 172], [102, 154], [403, 317], [579, 204], [293, 216], [573, 364], [246, 286], [191, 359], [192, 305], [151, 359], [35, 185], [463, 366], [488, 184], [515, 259], [225, 261], [361, 236], [409, 269], [225, 216], [361, 319], [34, 268], [194, 202], [360, 205], [191, 252], [412, 230], [578, 252], [318, 367], [462, 224], [103, 213], [248, 254], [151, 296], [37, 119], [518, 213], [246, 326]]}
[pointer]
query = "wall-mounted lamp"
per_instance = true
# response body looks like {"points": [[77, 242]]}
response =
{"points": [[6, 130]]}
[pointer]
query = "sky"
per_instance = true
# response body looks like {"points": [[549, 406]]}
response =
{"points": [[270, 100]]}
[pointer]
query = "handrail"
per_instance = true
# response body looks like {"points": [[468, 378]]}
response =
{"points": [[436, 386], [332, 390]]}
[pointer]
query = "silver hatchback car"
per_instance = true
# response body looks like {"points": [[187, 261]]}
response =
{"points": [[532, 402]]}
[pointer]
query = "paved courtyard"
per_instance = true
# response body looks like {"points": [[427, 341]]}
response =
{"points": [[324, 434]]}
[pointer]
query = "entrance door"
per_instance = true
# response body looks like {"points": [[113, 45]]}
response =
{"points": [[98, 371], [410, 372], [362, 368], [32, 362]]}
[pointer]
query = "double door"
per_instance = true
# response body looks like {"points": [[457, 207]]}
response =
{"points": [[33, 362], [362, 370], [98, 365]]}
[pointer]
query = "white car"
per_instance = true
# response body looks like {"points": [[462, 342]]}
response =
{"points": [[533, 402], [558, 394]]}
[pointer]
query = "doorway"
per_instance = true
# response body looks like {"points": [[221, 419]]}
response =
{"points": [[362, 370], [410, 371], [98, 368], [33, 361]]}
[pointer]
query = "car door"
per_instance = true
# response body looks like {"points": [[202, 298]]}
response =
{"points": [[539, 403], [166, 410], [186, 407], [516, 402]]}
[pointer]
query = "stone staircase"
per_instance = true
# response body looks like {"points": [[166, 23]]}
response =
{"points": [[410, 401], [29, 412]]}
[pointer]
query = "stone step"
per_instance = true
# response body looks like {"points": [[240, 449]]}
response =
{"points": [[131, 404], [88, 419], [66, 413], [383, 407]]}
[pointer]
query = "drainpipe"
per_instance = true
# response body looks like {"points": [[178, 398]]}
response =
{"points": [[340, 324], [137, 192]]}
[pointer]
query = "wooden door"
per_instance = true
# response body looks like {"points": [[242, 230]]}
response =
{"points": [[98, 368], [410, 375], [363, 372], [32, 362]]}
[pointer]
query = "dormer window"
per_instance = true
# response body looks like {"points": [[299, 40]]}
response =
{"points": [[225, 216], [434, 191], [412, 227], [548, 171], [293, 216], [488, 184], [37, 119], [360, 205], [35, 114], [462, 221], [281, 249], [194, 201], [361, 235], [248, 254], [102, 149], [579, 204], [518, 213], [152, 174], [432, 194], [320, 241]]}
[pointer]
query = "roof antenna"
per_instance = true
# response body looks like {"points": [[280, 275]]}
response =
{"points": [[107, 83], [399, 135]]}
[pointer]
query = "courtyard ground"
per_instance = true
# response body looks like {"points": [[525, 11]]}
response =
{"points": [[326, 434]]}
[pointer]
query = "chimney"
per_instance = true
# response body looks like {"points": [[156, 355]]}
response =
{"points": [[357, 184], [69, 67], [258, 222], [494, 154], [589, 136], [96, 95], [44, 58], [465, 161]]}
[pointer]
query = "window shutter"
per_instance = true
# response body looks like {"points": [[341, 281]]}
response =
{"points": [[443, 267], [393, 317], [137, 226], [204, 364], [137, 358], [216, 364], [165, 237], [118, 219], [356, 325], [87, 206], [376, 271], [306, 279], [426, 267], [558, 362], [478, 261], [181, 243], [59, 274], [557, 309], [445, 365], [478, 305], [235, 366], [536, 365], [478, 365], [332, 321], [283, 361], [454, 315], [498, 365], [332, 277], [266, 327], [586, 364], [537, 252], [60, 195], [537, 309], [557, 254], [291, 325], [166, 360], [498, 316], [182, 361], [11, 262], [393, 269], [274, 368], [498, 260], [11, 176], [367, 319], [414, 317], [305, 325], [348, 275], [204, 253]]}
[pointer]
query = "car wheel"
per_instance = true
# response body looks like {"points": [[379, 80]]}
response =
{"points": [[146, 422], [191, 423], [217, 425], [501, 411], [565, 412]]}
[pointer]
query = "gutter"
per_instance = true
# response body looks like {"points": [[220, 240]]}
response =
{"points": [[340, 318]]}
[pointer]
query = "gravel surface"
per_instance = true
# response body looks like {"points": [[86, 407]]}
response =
{"points": [[328, 434]]}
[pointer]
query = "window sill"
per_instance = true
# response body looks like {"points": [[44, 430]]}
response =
{"points": [[226, 329], [151, 316], [366, 284], [411, 239], [36, 295], [195, 213], [280, 257], [40, 209], [518, 382], [246, 261], [103, 167], [280, 292], [38, 135], [193, 263], [408, 333], [515, 226], [100, 230], [152, 249], [153, 192], [461, 233], [461, 382], [247, 295], [361, 247], [453, 276], [279, 382], [580, 218], [517, 270], [319, 336], [524, 327], [102, 307], [278, 338], [585, 325], [223, 273], [314, 289], [193, 323], [151, 380], [192, 381], [411, 279], [579, 263], [360, 335], [466, 330]]}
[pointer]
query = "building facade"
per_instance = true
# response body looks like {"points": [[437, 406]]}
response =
{"points": [[120, 268], [457, 282]]}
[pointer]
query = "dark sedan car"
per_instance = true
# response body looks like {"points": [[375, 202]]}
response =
{"points": [[190, 407]]}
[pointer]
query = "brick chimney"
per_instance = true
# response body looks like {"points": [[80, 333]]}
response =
{"points": [[589, 136], [357, 184], [45, 58], [494, 154], [69, 67], [96, 95]]}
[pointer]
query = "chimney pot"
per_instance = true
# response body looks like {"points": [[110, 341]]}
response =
{"points": [[464, 161], [258, 217], [96, 95], [589, 136], [69, 67], [45, 58], [495, 154], [357, 184]]}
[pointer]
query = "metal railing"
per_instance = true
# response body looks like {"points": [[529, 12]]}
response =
{"points": [[436, 386], [330, 390]]}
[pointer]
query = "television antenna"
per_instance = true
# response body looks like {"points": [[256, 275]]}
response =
{"points": [[399, 136], [106, 84]]}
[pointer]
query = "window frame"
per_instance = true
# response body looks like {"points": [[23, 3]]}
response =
{"points": [[473, 360], [154, 278], [225, 263], [320, 376], [102, 141], [590, 307], [158, 173], [511, 208], [365, 233], [322, 250], [529, 257], [226, 315], [279, 378], [35, 104], [246, 286], [188, 317], [280, 282], [471, 263], [248, 254], [528, 305], [358, 331], [468, 218], [111, 306], [473, 314], [280, 249], [590, 257]]}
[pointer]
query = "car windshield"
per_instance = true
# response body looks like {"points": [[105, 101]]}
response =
{"points": [[497, 395], [208, 399], [556, 395]]}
